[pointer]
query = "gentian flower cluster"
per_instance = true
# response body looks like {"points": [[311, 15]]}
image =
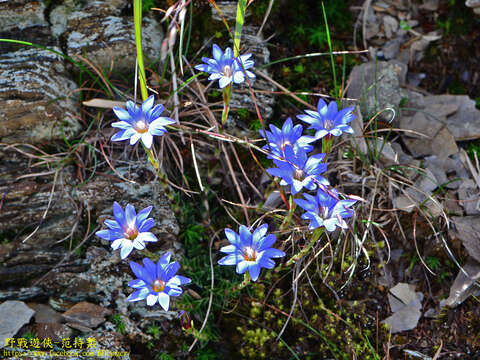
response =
{"points": [[226, 68], [140, 123], [288, 149], [327, 120], [250, 252], [325, 210], [155, 283], [129, 230], [289, 135]]}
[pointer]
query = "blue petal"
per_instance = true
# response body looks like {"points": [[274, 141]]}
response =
{"points": [[119, 214], [140, 272], [146, 225], [148, 104], [137, 283], [217, 52], [242, 266], [229, 249], [130, 215], [150, 267], [232, 237], [259, 234], [112, 224], [254, 271], [122, 114], [109, 234], [231, 259], [147, 236], [164, 300], [173, 290], [138, 295], [121, 125], [273, 253], [267, 242], [143, 214], [179, 280], [245, 236], [171, 270]]}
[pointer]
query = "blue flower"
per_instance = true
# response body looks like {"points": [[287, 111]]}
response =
{"points": [[140, 122], [288, 135], [250, 251], [299, 171], [325, 210], [156, 283], [225, 68], [129, 230], [327, 120]]}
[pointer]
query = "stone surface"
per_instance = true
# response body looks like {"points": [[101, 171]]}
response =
{"points": [[465, 284], [86, 314], [464, 122], [25, 201], [96, 31], [13, 315], [44, 313], [37, 103], [378, 86], [469, 196], [406, 306], [54, 331], [468, 231], [241, 97], [24, 20]]}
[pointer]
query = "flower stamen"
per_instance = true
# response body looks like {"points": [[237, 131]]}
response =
{"points": [[131, 233], [158, 285], [141, 126], [249, 254]]}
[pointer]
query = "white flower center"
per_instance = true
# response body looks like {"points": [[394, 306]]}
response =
{"points": [[158, 285], [227, 71], [131, 233], [249, 253], [327, 124], [285, 143], [141, 126], [299, 175]]}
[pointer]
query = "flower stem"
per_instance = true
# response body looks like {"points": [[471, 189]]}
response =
{"points": [[227, 92], [137, 19], [291, 209], [245, 282], [327, 142], [315, 236]]}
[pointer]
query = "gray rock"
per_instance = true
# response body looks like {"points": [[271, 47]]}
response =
{"points": [[26, 293], [13, 315], [35, 92], [469, 196], [468, 231], [423, 123], [441, 144], [24, 20], [97, 32], [45, 314], [465, 284], [464, 122], [405, 304], [22, 14], [241, 98], [390, 26], [378, 86], [392, 48], [86, 314], [54, 331]]}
